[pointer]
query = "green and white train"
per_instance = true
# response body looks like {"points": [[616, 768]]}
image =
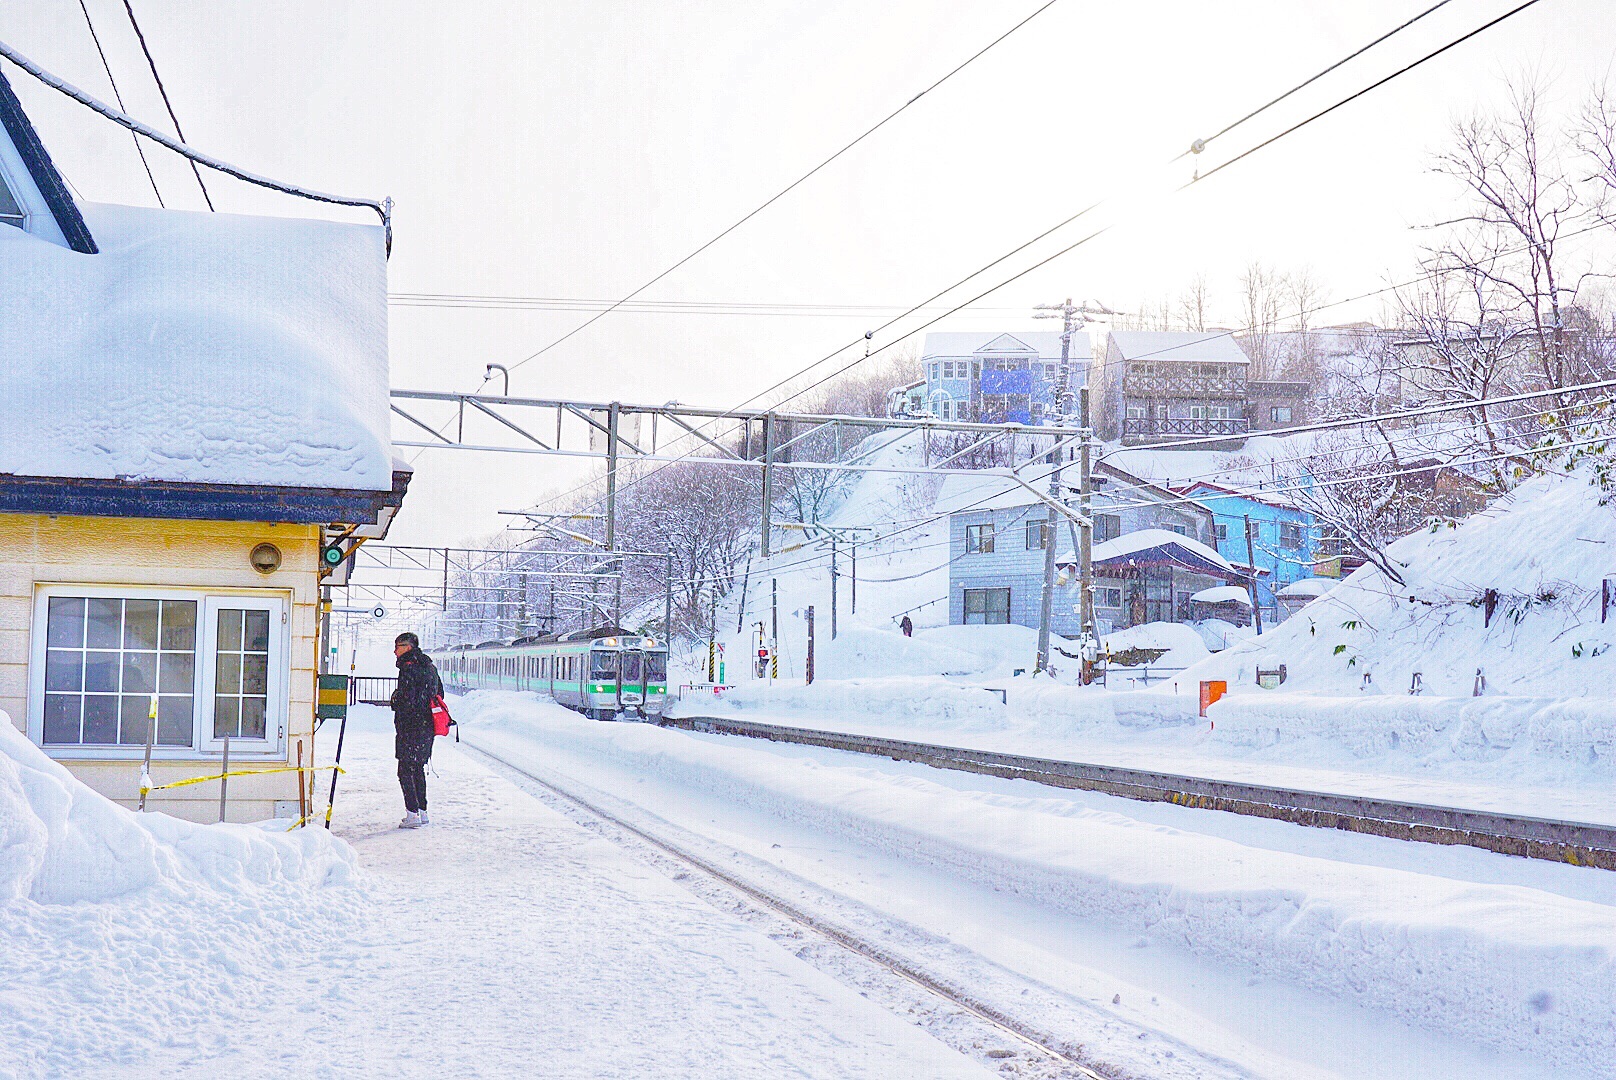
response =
{"points": [[600, 676]]}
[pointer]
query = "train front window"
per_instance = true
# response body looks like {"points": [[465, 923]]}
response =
{"points": [[631, 667], [656, 667], [602, 666]]}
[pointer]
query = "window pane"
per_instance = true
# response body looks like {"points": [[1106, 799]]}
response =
{"points": [[105, 625], [257, 636], [64, 669], [134, 717], [230, 629], [65, 622], [227, 678], [179, 625], [175, 720], [140, 624], [226, 717], [101, 719], [139, 672], [62, 718], [178, 673], [254, 674], [252, 718], [101, 672]]}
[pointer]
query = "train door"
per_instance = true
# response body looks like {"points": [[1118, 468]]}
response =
{"points": [[632, 679]]}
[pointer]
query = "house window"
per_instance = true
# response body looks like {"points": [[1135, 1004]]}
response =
{"points": [[1220, 412], [1280, 414], [1197, 412], [1223, 532], [987, 606], [1182, 530], [1107, 527], [11, 212], [934, 372], [1108, 598], [216, 665], [1136, 412], [1037, 535], [1290, 535], [979, 539]]}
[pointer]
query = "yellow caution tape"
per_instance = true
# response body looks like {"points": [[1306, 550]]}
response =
{"points": [[243, 772]]}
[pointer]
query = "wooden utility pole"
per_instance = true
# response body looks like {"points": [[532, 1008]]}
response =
{"points": [[611, 476], [768, 484], [835, 586], [1251, 579], [1085, 544], [810, 666]]}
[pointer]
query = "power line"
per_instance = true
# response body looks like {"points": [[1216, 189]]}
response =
{"points": [[141, 150], [777, 196], [1060, 225], [163, 90]]}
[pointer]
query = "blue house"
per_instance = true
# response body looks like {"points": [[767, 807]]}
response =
{"points": [[998, 378], [1284, 539]]}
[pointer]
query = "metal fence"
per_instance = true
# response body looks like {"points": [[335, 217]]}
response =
{"points": [[373, 690]]}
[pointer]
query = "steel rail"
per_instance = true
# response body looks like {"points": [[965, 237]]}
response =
{"points": [[1578, 843], [847, 940]]}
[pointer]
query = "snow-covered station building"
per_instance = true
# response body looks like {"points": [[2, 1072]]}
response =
{"points": [[195, 408]]}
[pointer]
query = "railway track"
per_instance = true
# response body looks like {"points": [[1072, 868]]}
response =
{"points": [[1072, 1062], [1577, 843]]}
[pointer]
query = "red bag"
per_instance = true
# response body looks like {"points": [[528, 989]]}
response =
{"points": [[441, 720]]}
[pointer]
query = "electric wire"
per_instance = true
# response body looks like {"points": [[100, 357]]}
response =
{"points": [[117, 96], [167, 104], [803, 371], [795, 183]]}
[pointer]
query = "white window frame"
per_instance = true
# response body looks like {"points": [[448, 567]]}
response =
{"points": [[203, 744]]}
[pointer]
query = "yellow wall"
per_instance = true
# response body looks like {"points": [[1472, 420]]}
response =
{"points": [[37, 550]]}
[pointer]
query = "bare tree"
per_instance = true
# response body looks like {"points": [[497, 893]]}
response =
{"points": [[1262, 300], [1194, 304]]}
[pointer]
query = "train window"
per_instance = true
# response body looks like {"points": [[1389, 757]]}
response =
{"points": [[656, 667], [603, 665]]}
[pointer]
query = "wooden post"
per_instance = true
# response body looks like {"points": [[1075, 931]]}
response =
{"points": [[224, 777], [1251, 564], [145, 767]]}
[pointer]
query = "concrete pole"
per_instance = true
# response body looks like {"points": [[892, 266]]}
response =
{"points": [[774, 628], [835, 587], [667, 606], [1047, 597], [1085, 548], [611, 476], [768, 483], [810, 665], [1251, 580]]}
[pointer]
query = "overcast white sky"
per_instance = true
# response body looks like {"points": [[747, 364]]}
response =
{"points": [[575, 149]]}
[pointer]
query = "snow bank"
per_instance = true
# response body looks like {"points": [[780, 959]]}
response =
{"points": [[119, 928], [1505, 965], [197, 347], [1183, 643]]}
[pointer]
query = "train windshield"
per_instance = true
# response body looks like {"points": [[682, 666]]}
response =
{"points": [[656, 667], [631, 667], [602, 666]]}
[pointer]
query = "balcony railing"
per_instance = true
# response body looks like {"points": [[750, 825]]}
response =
{"points": [[1136, 385], [1149, 428]]}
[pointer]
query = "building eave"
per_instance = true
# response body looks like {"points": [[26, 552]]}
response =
{"points": [[43, 171]]}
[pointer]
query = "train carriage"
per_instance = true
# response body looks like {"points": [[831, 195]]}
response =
{"points": [[602, 674]]}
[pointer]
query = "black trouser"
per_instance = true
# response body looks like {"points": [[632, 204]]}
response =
{"points": [[412, 778]]}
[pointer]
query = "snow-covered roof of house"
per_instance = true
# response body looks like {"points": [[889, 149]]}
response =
{"points": [[1307, 588], [1045, 344], [197, 348], [971, 490], [1223, 594], [1209, 347], [1157, 545]]}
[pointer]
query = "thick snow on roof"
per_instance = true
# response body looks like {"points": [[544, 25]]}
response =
{"points": [[210, 348], [1046, 343], [985, 490], [1308, 587], [1212, 346], [1145, 539], [1223, 594]]}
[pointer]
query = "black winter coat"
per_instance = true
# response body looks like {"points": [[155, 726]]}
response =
{"points": [[418, 684]]}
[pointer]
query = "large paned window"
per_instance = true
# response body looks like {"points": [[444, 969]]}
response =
{"points": [[1037, 535], [979, 539], [987, 606], [1107, 527], [215, 665]]}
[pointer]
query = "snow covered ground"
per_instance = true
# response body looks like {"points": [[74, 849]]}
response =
{"points": [[501, 941], [1168, 941]]}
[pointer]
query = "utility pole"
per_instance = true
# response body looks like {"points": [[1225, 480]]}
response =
{"points": [[835, 586], [712, 639], [611, 476], [774, 628], [667, 606], [853, 551], [1251, 579], [768, 483], [1089, 646], [810, 666], [1068, 313]]}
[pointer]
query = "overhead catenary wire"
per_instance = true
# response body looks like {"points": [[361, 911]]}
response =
{"points": [[1064, 223], [118, 96], [167, 104], [777, 196]]}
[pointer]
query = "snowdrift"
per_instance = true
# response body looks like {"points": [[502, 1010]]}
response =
{"points": [[120, 928]]}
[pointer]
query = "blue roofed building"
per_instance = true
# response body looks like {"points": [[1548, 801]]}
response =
{"points": [[997, 378], [1284, 538]]}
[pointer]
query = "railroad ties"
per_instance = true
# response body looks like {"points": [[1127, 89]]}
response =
{"points": [[1577, 843]]}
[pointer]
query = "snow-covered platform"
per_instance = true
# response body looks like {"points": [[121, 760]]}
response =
{"points": [[503, 940]]}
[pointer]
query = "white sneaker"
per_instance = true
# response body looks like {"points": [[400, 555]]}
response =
{"points": [[412, 820], [423, 817]]}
